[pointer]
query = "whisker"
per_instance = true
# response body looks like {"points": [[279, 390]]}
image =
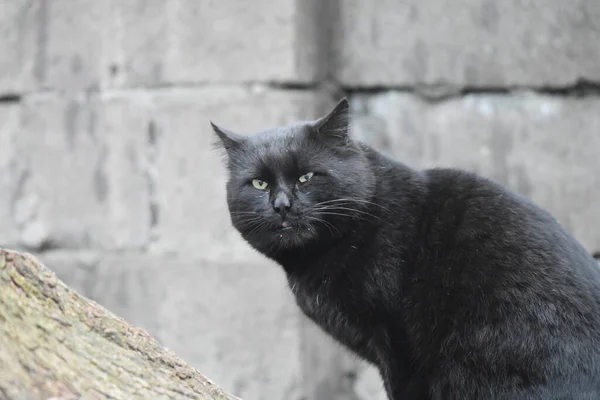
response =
{"points": [[361, 217], [327, 224], [248, 220], [367, 202], [258, 227], [340, 208], [337, 214]]}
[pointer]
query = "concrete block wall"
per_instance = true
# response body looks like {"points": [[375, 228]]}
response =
{"points": [[467, 43], [108, 174]]}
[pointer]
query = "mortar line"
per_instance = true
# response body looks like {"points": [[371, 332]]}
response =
{"points": [[426, 92]]}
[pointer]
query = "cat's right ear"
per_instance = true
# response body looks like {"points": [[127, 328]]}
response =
{"points": [[336, 124], [228, 139]]}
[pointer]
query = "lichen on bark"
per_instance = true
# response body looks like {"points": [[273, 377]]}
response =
{"points": [[55, 343]]}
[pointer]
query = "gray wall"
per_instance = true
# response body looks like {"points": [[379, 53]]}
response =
{"points": [[108, 175]]}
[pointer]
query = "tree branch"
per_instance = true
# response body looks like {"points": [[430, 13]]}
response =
{"points": [[56, 343]]}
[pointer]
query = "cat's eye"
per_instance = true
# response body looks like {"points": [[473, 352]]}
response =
{"points": [[306, 177], [259, 184]]}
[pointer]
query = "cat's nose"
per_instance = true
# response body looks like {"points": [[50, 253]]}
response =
{"points": [[282, 204]]}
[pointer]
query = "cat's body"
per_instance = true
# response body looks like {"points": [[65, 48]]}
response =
{"points": [[454, 287]]}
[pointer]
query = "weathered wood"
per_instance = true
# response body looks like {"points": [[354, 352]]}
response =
{"points": [[56, 343]]}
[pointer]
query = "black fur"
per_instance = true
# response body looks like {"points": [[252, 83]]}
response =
{"points": [[453, 286]]}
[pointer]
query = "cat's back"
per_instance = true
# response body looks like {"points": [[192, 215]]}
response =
{"points": [[497, 277], [464, 210]]}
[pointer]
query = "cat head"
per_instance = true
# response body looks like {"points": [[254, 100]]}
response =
{"points": [[296, 185]]}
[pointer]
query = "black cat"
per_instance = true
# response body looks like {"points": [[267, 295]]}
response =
{"points": [[453, 286]]}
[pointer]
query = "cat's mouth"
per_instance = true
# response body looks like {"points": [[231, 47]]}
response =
{"points": [[286, 226]]}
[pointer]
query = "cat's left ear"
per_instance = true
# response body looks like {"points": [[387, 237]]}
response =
{"points": [[336, 123], [229, 139]]}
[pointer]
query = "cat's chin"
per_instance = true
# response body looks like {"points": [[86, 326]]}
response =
{"points": [[292, 237], [282, 238]]}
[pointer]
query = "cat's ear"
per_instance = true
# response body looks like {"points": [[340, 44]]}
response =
{"points": [[336, 123], [228, 139]]}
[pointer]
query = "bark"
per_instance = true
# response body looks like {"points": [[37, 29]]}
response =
{"points": [[55, 343]]}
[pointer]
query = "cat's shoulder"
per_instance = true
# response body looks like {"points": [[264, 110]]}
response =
{"points": [[467, 193], [460, 184]]}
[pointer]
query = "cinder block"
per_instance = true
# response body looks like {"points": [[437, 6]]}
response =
{"points": [[19, 36], [58, 44], [235, 322], [126, 166], [544, 147], [186, 41], [11, 172], [76, 190], [468, 42], [369, 385], [80, 45]]}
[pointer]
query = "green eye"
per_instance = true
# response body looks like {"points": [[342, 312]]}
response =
{"points": [[306, 177], [259, 184]]}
